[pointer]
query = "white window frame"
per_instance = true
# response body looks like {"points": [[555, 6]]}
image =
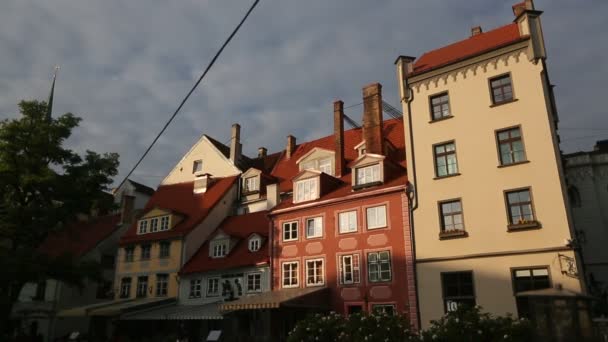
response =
{"points": [[353, 267], [346, 220], [318, 272], [164, 223], [213, 287], [325, 166], [294, 276], [291, 224], [379, 215], [162, 285], [382, 308], [140, 287], [255, 244], [254, 279], [317, 228], [195, 288], [368, 174], [251, 184], [307, 189], [379, 264], [154, 225], [219, 249], [125, 287], [197, 166], [143, 227]]}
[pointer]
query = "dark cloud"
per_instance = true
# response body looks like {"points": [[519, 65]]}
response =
{"points": [[127, 64]]}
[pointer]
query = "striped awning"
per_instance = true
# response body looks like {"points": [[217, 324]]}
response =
{"points": [[209, 311], [303, 298]]}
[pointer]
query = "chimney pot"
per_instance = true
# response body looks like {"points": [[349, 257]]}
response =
{"points": [[291, 145], [262, 151], [339, 137], [372, 119], [235, 143], [476, 30]]}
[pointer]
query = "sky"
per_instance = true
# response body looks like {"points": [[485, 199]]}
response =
{"points": [[126, 65]]}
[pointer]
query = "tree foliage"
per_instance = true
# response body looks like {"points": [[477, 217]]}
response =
{"points": [[43, 186]]}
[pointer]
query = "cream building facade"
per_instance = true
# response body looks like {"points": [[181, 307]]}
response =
{"points": [[489, 207]]}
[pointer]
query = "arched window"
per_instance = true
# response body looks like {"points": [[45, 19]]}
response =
{"points": [[574, 196]]}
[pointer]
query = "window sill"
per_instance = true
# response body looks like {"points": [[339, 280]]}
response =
{"points": [[377, 228], [524, 226], [514, 164], [380, 282], [503, 103], [349, 232], [447, 176], [314, 237], [442, 119], [454, 234], [366, 185]]}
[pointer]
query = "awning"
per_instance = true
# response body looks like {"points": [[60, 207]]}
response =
{"points": [[553, 292], [114, 308], [300, 298], [209, 311]]}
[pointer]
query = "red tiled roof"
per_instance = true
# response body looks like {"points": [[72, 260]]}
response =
{"points": [[179, 198], [240, 227], [80, 237], [469, 47], [285, 169]]}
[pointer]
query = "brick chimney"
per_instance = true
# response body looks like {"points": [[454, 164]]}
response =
{"points": [[476, 31], [291, 146], [235, 144], [127, 208], [262, 151], [372, 119], [339, 137]]}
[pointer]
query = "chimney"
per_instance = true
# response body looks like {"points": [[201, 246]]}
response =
{"points": [[339, 137], [262, 151], [127, 209], [235, 144], [201, 183], [405, 67], [273, 196], [372, 119], [291, 145], [521, 7], [476, 31]]}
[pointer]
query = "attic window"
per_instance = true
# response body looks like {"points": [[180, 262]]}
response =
{"points": [[164, 223], [197, 166], [143, 227], [254, 244], [320, 164], [368, 174], [306, 189], [251, 184], [219, 249]]}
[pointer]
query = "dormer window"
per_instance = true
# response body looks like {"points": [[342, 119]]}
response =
{"points": [[318, 159], [360, 148], [254, 244], [321, 164], [368, 174], [164, 223], [197, 166], [143, 227], [154, 225], [219, 249], [307, 189], [251, 184]]}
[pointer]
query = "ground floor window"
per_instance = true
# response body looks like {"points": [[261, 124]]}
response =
{"points": [[379, 266], [457, 290], [213, 287], [195, 288], [529, 279], [142, 286], [125, 287], [352, 309], [290, 274], [254, 282], [350, 269], [388, 309], [162, 284], [314, 272]]}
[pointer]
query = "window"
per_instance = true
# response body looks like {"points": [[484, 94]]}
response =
{"points": [[164, 223], [531, 279], [251, 184], [388, 309], [197, 166], [142, 286], [143, 226], [306, 190], [254, 244], [368, 174], [510, 146], [314, 272], [254, 282], [347, 221], [349, 269], [325, 166], [519, 204], [125, 287], [457, 290], [376, 217], [220, 249], [129, 251], [165, 249], [213, 287], [451, 216], [379, 266], [154, 225], [501, 89], [314, 227], [290, 231], [445, 160], [195, 288], [440, 106], [162, 283], [145, 252], [290, 274]]}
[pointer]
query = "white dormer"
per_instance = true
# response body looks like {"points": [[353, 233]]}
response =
{"points": [[251, 181], [306, 186], [254, 243], [156, 220], [368, 170], [318, 159], [220, 245]]}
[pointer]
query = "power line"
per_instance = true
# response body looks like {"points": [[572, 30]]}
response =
{"points": [[219, 52]]}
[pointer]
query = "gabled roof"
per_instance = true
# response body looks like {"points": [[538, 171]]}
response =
{"points": [[181, 199], [286, 169], [475, 45], [142, 188], [239, 227], [80, 237]]}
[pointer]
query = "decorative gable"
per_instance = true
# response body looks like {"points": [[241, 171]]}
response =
{"points": [[319, 159], [368, 170], [157, 220]]}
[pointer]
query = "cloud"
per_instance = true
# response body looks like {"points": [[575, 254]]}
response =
{"points": [[126, 65]]}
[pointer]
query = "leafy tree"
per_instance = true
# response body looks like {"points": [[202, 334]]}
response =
{"points": [[43, 186]]}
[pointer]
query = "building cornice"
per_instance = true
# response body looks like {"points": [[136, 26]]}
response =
{"points": [[495, 254]]}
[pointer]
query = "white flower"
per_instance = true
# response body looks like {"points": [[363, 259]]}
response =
{"points": [[434, 337], [457, 320], [479, 332], [506, 337]]}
